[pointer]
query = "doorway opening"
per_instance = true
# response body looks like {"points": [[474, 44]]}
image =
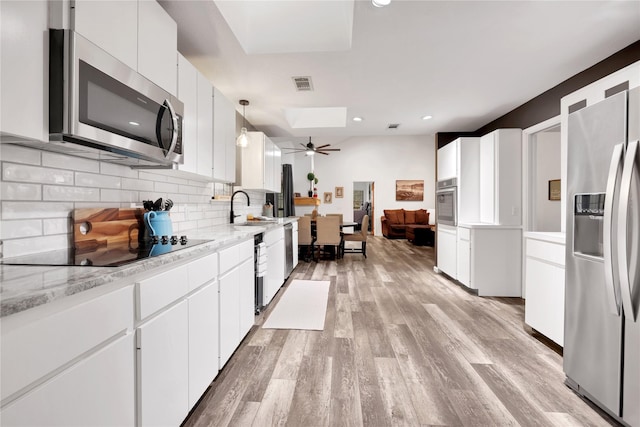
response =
{"points": [[542, 210], [363, 203]]}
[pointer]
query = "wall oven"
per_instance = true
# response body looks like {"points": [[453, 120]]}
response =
{"points": [[446, 202], [98, 102]]}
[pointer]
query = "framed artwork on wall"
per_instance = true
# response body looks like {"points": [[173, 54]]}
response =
{"points": [[410, 190], [328, 197], [554, 189], [339, 192]]}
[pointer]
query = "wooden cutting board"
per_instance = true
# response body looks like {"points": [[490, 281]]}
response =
{"points": [[99, 228]]}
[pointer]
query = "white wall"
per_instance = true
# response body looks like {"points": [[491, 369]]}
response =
{"points": [[547, 212], [381, 160]]}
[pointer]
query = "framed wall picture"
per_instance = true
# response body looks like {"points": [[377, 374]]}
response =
{"points": [[410, 190], [339, 192], [328, 196], [554, 189]]}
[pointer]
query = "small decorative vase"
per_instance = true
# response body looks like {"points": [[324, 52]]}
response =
{"points": [[310, 193]]}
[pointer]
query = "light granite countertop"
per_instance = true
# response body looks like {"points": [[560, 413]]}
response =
{"points": [[25, 287]]}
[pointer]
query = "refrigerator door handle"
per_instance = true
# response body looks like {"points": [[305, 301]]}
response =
{"points": [[608, 247], [623, 260]]}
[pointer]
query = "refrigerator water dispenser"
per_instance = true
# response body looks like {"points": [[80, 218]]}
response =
{"points": [[588, 216]]}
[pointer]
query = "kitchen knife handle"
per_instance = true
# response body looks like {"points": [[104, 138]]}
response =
{"points": [[630, 310], [610, 257]]}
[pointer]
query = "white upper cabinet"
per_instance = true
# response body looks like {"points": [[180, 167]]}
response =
{"points": [[501, 177], [194, 90], [157, 45], [224, 138], [468, 166], [96, 21], [261, 164], [138, 33], [188, 94], [447, 156], [24, 88], [205, 127]]}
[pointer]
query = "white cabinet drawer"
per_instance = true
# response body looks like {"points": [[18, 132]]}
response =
{"points": [[464, 233], [202, 270], [272, 236], [33, 350], [234, 255], [546, 251], [161, 290]]}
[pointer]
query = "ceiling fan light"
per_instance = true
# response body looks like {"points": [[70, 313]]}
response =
{"points": [[357, 119], [380, 3], [243, 139], [309, 153], [427, 117]]}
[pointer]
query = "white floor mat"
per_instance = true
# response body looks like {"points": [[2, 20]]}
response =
{"points": [[303, 306]]}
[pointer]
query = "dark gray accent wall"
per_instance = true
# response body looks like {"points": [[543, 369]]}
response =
{"points": [[547, 104]]}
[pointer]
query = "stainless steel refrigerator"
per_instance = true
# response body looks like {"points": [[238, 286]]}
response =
{"points": [[602, 297]]}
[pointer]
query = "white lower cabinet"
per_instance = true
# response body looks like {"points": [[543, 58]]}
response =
{"points": [[203, 340], [98, 390], [229, 314], [447, 250], [177, 340], [464, 257], [544, 285], [236, 297], [247, 297], [294, 239], [494, 264], [163, 368], [274, 239]]}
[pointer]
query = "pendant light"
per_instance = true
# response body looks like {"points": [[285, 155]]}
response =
{"points": [[243, 138]]}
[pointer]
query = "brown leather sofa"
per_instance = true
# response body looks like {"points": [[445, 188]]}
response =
{"points": [[395, 221]]}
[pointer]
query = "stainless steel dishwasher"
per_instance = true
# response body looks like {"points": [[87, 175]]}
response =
{"points": [[288, 249]]}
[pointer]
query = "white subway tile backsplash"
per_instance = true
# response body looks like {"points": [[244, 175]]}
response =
{"points": [[176, 180], [118, 170], [152, 176], [19, 154], [22, 173], [137, 184], [119, 196], [84, 179], [39, 191], [166, 187], [32, 245], [62, 161], [73, 194], [21, 191], [26, 210], [57, 226], [20, 228]]}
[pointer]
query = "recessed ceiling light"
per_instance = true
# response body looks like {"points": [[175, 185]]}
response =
{"points": [[427, 117], [357, 119], [134, 123], [380, 3]]}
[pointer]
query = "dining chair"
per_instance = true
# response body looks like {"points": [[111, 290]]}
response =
{"points": [[328, 234], [339, 215], [305, 238], [360, 236]]}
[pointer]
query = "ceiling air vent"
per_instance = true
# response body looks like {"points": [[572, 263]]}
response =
{"points": [[393, 125], [303, 84]]}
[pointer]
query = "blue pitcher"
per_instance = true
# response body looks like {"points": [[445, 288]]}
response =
{"points": [[158, 223]]}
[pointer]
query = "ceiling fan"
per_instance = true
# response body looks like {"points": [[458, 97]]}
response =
{"points": [[311, 149]]}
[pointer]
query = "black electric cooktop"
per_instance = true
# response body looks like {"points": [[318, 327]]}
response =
{"points": [[111, 256]]}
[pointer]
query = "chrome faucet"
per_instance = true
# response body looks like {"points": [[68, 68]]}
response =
{"points": [[231, 215]]}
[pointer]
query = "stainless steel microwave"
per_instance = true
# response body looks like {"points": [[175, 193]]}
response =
{"points": [[99, 103]]}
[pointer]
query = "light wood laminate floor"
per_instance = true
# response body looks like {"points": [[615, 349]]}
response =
{"points": [[402, 346]]}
